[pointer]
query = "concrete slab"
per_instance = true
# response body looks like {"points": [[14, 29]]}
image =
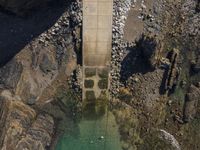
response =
{"points": [[97, 43]]}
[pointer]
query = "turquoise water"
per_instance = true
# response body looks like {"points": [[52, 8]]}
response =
{"points": [[96, 134]]}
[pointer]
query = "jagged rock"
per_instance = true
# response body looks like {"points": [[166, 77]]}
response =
{"points": [[20, 6], [39, 135], [10, 74], [191, 102], [22, 128]]}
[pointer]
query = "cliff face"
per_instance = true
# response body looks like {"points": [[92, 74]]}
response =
{"points": [[21, 128], [31, 78]]}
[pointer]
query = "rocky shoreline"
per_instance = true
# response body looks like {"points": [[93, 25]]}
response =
{"points": [[154, 79]]}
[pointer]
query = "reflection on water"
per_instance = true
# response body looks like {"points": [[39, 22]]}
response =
{"points": [[97, 130]]}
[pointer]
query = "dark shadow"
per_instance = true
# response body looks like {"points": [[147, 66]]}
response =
{"points": [[198, 6], [135, 61], [17, 32], [162, 89]]}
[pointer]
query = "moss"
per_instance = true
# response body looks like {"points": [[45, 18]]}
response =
{"points": [[90, 96], [103, 84], [101, 103], [90, 72], [68, 102], [95, 107], [103, 73], [89, 83]]}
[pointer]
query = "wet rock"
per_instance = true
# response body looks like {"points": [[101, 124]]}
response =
{"points": [[47, 64], [191, 102]]}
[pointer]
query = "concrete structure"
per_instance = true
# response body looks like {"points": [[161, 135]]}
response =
{"points": [[97, 39]]}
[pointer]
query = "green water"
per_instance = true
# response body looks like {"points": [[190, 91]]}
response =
{"points": [[96, 134]]}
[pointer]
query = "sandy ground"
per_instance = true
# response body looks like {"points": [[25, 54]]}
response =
{"points": [[134, 25]]}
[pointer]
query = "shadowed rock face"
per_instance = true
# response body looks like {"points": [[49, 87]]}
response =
{"points": [[21, 6]]}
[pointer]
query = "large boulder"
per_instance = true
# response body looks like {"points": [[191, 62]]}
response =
{"points": [[20, 6]]}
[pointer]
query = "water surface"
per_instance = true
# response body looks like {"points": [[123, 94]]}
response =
{"points": [[92, 134]]}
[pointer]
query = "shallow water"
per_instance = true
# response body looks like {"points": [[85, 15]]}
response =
{"points": [[92, 134]]}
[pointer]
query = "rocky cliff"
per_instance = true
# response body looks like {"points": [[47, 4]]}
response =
{"points": [[155, 84], [30, 79]]}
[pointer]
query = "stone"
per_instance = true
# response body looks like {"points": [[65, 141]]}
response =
{"points": [[196, 65]]}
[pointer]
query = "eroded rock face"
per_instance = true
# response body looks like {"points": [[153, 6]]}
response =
{"points": [[21, 6], [191, 102], [10, 74], [23, 129]]}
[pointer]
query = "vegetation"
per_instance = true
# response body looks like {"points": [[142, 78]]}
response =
{"points": [[89, 83]]}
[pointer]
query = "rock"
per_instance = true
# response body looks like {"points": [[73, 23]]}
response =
{"points": [[191, 102], [23, 129], [31, 100], [47, 64], [10, 74], [169, 138]]}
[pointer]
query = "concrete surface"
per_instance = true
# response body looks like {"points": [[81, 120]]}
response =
{"points": [[97, 38]]}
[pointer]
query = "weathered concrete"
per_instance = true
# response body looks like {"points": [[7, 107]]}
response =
{"points": [[97, 38]]}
